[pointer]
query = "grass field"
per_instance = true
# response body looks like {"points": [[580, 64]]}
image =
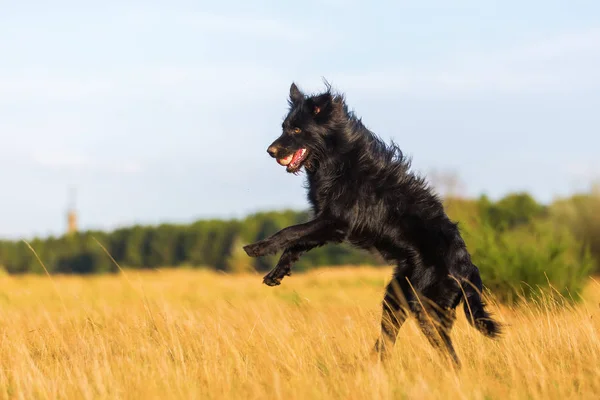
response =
{"points": [[202, 335]]}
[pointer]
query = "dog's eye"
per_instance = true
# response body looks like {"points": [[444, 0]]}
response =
{"points": [[297, 130]]}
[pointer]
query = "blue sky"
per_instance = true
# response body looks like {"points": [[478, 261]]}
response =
{"points": [[162, 111]]}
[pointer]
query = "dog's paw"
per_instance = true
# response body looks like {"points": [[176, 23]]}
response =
{"points": [[255, 249], [261, 248], [274, 277], [271, 281]]}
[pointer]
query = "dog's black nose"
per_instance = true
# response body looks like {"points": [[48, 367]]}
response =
{"points": [[272, 150]]}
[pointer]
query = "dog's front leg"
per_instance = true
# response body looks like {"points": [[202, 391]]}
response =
{"points": [[284, 265], [287, 237], [292, 254]]}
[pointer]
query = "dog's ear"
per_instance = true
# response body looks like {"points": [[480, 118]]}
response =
{"points": [[296, 96], [320, 106]]}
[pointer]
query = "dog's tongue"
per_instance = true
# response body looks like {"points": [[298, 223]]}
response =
{"points": [[285, 161], [292, 157]]}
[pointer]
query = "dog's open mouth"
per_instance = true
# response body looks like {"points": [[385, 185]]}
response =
{"points": [[294, 161]]}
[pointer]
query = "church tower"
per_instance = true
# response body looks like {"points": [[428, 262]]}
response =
{"points": [[71, 214]]}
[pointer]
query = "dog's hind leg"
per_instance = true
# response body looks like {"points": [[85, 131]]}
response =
{"points": [[436, 323], [394, 314]]}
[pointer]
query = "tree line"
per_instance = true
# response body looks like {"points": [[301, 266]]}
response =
{"points": [[513, 240]]}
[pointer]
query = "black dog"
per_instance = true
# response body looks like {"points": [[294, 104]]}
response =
{"points": [[362, 192]]}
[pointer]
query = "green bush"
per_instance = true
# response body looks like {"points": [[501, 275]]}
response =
{"points": [[581, 213], [517, 263]]}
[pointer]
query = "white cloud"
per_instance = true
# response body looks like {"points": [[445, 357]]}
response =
{"points": [[255, 26], [584, 170], [14, 88], [216, 79], [211, 83], [60, 159], [65, 160], [571, 44], [208, 79], [566, 62]]}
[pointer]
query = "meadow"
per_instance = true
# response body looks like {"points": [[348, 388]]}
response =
{"points": [[199, 334]]}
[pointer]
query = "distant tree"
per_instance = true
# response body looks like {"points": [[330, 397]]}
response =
{"points": [[513, 210], [581, 213], [134, 246], [446, 183], [237, 259]]}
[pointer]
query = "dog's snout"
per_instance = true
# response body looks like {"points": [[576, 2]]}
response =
{"points": [[272, 150]]}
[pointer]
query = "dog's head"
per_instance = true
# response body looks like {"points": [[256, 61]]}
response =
{"points": [[305, 129]]}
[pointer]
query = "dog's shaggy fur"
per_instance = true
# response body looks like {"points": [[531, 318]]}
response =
{"points": [[362, 192]]}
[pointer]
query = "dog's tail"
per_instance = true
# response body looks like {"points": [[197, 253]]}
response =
{"points": [[474, 307]]}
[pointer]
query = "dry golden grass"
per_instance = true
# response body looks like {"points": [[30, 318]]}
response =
{"points": [[201, 335]]}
